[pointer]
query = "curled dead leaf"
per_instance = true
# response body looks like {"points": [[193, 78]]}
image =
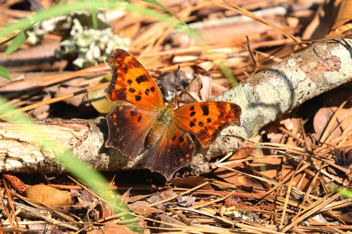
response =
{"points": [[201, 89], [48, 196]]}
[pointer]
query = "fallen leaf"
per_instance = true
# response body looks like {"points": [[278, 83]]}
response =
{"points": [[42, 112], [201, 89], [347, 217], [112, 228], [48, 196], [160, 196], [76, 100], [191, 182], [98, 99], [165, 219], [143, 208], [186, 201]]}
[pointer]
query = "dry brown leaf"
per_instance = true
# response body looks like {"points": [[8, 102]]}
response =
{"points": [[113, 228], [347, 217], [290, 123], [85, 198], [126, 196], [235, 177], [276, 167], [322, 118], [344, 15], [275, 137], [160, 196], [42, 112], [48, 196], [319, 27], [201, 89], [143, 208], [76, 100], [191, 182], [167, 219]]}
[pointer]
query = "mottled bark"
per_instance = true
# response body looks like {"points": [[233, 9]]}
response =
{"points": [[284, 86]]}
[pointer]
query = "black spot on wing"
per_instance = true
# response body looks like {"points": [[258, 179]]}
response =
{"points": [[133, 113], [141, 79], [205, 109], [138, 98]]}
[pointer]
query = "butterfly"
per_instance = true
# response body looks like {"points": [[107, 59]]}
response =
{"points": [[142, 123]]}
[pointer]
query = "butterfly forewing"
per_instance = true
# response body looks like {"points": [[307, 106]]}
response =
{"points": [[132, 83], [128, 128], [206, 120]]}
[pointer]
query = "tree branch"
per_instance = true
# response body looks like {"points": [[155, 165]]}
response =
{"points": [[262, 97]]}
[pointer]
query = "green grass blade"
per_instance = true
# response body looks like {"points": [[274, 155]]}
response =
{"points": [[19, 39], [5, 73], [10, 39]]}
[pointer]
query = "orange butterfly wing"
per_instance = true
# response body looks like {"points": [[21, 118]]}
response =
{"points": [[128, 128], [173, 151], [130, 125], [206, 120], [131, 83]]}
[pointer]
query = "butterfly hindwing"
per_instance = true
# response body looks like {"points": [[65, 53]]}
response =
{"points": [[131, 83], [206, 120], [173, 151], [128, 128]]}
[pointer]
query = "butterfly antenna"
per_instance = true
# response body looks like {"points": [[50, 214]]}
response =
{"points": [[176, 77], [175, 99]]}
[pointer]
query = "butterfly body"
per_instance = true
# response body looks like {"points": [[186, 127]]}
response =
{"points": [[165, 119], [147, 124]]}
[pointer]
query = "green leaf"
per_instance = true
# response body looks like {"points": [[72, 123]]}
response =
{"points": [[227, 72], [5, 73], [17, 41], [94, 15], [10, 39]]}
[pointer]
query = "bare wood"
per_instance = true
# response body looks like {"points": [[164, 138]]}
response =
{"points": [[20, 153], [263, 97]]}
